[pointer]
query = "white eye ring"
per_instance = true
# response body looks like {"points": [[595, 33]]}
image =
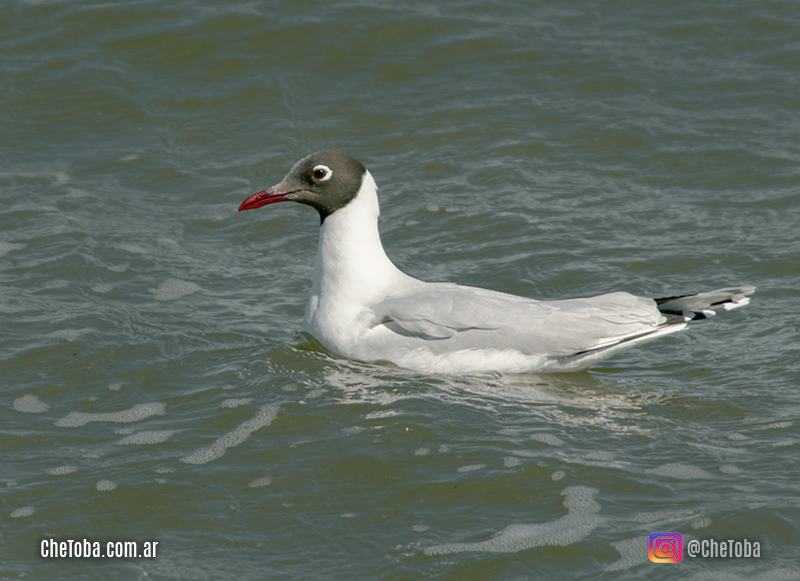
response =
{"points": [[321, 173]]}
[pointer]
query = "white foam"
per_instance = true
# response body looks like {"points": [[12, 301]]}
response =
{"points": [[62, 470], [660, 518], [102, 288], [680, 471], [420, 528], [729, 469], [701, 523], [240, 434], [558, 475], [30, 404], [549, 439], [235, 402], [22, 512], [422, 451], [631, 551], [6, 247], [260, 482], [581, 519], [173, 289], [136, 413], [148, 438], [471, 468], [106, 485], [511, 461], [71, 335], [131, 248]]}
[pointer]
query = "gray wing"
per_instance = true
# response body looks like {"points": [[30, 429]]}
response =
{"points": [[448, 316]]}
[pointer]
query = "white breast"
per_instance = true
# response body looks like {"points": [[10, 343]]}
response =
{"points": [[352, 272]]}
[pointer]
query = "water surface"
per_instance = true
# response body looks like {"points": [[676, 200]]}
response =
{"points": [[154, 382]]}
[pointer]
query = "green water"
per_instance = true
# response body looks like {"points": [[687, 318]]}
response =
{"points": [[154, 382]]}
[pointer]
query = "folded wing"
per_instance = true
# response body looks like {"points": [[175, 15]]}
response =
{"points": [[448, 316]]}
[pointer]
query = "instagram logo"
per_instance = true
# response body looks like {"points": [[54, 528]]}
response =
{"points": [[665, 547]]}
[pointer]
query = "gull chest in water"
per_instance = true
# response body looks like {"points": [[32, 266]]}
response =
{"points": [[363, 307]]}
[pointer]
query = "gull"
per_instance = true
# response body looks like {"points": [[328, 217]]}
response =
{"points": [[363, 307]]}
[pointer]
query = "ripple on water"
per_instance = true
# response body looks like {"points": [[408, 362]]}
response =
{"points": [[240, 434], [106, 485], [680, 471], [548, 439], [260, 482], [148, 438], [235, 402], [30, 404], [581, 519], [471, 468], [173, 288], [62, 470], [729, 469], [23, 512], [631, 552], [6, 247], [138, 412]]}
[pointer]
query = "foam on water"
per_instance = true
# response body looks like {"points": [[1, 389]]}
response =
{"points": [[730, 469], [173, 289], [22, 512], [680, 471], [148, 438], [548, 439], [106, 485], [235, 402], [511, 461], [134, 414], [240, 434], [71, 335], [260, 482], [581, 519], [62, 470], [701, 523], [471, 468], [631, 552], [30, 404], [6, 247]]}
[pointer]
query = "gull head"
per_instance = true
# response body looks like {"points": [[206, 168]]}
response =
{"points": [[326, 180]]}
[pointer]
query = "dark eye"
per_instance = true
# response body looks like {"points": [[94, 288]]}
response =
{"points": [[321, 173]]}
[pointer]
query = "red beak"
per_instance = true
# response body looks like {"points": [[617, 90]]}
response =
{"points": [[262, 198]]}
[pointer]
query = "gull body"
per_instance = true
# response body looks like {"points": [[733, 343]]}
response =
{"points": [[363, 307]]}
